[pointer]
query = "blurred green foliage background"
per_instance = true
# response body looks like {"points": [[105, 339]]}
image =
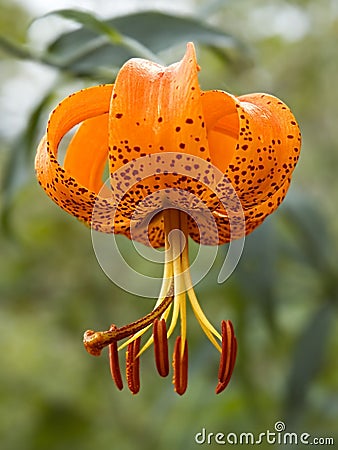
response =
{"points": [[283, 295]]}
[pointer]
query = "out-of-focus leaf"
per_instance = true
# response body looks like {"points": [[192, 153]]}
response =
{"points": [[90, 22], [102, 28], [15, 49], [309, 226], [18, 166], [84, 50], [257, 271], [308, 358], [23, 51]]}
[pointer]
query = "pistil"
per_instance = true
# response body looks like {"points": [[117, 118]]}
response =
{"points": [[95, 341]]}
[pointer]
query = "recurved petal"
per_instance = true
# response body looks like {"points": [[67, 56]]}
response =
{"points": [[87, 153], [253, 216], [74, 195], [226, 224], [149, 232], [222, 122], [256, 138]]}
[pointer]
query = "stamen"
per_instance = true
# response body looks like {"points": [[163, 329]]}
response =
{"points": [[143, 330], [151, 338], [161, 347], [133, 365], [114, 362], [174, 318], [180, 246], [95, 341], [206, 326], [180, 365], [211, 333], [228, 355], [177, 284], [167, 288]]}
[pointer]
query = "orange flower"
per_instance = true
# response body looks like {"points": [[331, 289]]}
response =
{"points": [[207, 163]]}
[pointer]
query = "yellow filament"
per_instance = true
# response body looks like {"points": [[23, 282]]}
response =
{"points": [[176, 222], [165, 289], [177, 273], [206, 326]]}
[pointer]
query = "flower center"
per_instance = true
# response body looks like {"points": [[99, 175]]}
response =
{"points": [[176, 288]]}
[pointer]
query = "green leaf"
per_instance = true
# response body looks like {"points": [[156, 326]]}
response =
{"points": [[89, 21], [143, 34], [15, 49], [257, 272], [309, 227], [102, 28]]}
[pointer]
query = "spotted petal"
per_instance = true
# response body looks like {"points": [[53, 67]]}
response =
{"points": [[157, 110], [75, 186], [254, 139]]}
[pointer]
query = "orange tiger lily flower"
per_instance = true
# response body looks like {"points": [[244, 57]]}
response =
{"points": [[209, 164]]}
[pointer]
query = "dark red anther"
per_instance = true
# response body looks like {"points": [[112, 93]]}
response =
{"points": [[161, 347], [180, 365], [114, 362], [228, 355], [133, 365]]}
